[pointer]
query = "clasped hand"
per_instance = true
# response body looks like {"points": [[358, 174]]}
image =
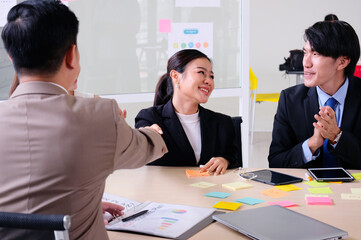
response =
{"points": [[325, 127]]}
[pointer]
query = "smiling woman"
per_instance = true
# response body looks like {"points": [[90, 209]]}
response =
{"points": [[194, 135]]}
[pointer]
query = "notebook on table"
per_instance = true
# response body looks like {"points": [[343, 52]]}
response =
{"points": [[276, 222]]}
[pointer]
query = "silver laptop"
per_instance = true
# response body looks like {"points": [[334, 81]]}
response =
{"points": [[278, 223]]}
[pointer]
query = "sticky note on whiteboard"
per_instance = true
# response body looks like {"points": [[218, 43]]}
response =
{"points": [[165, 25]]}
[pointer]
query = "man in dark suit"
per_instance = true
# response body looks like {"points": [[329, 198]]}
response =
{"points": [[318, 124]]}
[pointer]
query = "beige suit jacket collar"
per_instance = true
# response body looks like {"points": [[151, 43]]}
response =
{"points": [[37, 88]]}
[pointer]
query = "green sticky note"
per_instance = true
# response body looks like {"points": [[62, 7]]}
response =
{"points": [[316, 184], [357, 176], [323, 190]]}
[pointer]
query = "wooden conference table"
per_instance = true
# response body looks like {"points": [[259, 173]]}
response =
{"points": [[171, 185]]}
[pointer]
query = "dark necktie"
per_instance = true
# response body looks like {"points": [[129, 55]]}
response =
{"points": [[328, 159]]}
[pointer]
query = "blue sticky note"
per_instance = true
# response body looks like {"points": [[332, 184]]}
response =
{"points": [[249, 200], [218, 194]]}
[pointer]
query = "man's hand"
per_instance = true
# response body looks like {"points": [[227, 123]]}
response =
{"points": [[155, 128], [113, 209], [123, 113], [326, 123], [217, 164], [316, 141]]}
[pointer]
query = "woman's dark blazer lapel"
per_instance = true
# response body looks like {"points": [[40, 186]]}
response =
{"points": [[177, 134]]}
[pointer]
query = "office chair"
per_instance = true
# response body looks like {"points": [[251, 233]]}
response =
{"points": [[237, 126], [60, 224], [258, 98], [358, 71]]}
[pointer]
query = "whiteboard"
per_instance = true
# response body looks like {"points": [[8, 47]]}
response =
{"points": [[125, 44]]}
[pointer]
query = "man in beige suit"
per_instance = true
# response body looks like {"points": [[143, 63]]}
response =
{"points": [[56, 149]]}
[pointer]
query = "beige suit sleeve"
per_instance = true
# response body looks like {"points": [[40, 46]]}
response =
{"points": [[135, 148]]}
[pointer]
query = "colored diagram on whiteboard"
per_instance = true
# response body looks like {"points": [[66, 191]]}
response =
{"points": [[191, 36]]}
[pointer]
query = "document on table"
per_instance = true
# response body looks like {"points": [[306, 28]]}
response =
{"points": [[162, 219]]}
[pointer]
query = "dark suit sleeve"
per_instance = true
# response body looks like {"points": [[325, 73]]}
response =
{"points": [[230, 144], [285, 149], [348, 150], [145, 117]]}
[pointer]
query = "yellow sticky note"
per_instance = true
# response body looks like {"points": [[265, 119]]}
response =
{"points": [[357, 176], [274, 193], [236, 185], [336, 182], [196, 173], [289, 187], [227, 205], [323, 190]]}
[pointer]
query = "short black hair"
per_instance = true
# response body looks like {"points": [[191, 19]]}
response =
{"points": [[38, 34], [331, 17], [335, 39]]}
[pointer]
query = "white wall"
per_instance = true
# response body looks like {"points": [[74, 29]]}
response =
{"points": [[276, 27]]}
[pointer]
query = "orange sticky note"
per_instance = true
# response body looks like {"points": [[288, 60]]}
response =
{"points": [[227, 205], [274, 193], [196, 173]]}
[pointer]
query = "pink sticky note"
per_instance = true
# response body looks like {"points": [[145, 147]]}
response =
{"points": [[319, 201], [285, 203], [165, 25]]}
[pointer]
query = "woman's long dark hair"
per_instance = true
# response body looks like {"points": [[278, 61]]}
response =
{"points": [[177, 62]]}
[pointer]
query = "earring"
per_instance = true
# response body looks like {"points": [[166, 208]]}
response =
{"points": [[177, 85]]}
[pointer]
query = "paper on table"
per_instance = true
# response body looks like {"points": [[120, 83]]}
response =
{"points": [[236, 185], [162, 219], [227, 205], [124, 202], [203, 184], [351, 196], [356, 190], [196, 173], [274, 193], [287, 188]]}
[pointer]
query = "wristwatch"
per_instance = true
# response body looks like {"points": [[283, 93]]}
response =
{"points": [[337, 138]]}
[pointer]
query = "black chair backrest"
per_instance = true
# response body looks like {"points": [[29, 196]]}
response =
{"points": [[237, 126], [60, 224]]}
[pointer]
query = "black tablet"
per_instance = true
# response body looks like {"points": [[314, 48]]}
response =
{"points": [[330, 174], [274, 178]]}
